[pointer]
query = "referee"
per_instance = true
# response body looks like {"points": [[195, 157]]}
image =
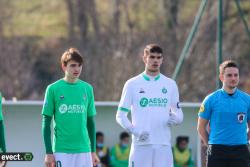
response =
{"points": [[227, 111]]}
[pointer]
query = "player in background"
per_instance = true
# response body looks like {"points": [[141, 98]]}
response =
{"points": [[70, 102], [227, 110], [2, 138], [153, 100], [102, 151], [119, 154], [181, 153]]}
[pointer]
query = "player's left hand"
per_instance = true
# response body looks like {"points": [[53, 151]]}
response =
{"points": [[171, 120], [95, 159]]}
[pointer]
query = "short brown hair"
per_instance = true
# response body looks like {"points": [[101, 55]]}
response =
{"points": [[71, 54], [226, 64], [152, 48]]}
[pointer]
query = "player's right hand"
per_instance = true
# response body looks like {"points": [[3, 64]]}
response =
{"points": [[3, 163], [134, 131], [143, 137], [50, 160]]}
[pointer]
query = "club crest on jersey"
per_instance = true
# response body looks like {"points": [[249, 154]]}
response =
{"points": [[164, 90], [142, 90], [241, 117]]}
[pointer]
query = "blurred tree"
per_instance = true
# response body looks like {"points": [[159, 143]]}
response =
{"points": [[111, 34], [82, 20], [171, 8], [70, 4]]}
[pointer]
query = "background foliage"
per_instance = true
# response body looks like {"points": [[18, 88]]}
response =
{"points": [[111, 34]]}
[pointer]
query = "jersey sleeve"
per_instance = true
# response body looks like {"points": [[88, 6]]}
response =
{"points": [[126, 98], [49, 102], [1, 114], [174, 102], [91, 111], [205, 108], [176, 115]]}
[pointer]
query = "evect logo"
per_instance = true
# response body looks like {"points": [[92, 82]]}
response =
{"points": [[153, 102], [73, 108]]}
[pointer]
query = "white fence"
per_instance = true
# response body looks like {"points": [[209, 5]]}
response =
{"points": [[23, 128]]}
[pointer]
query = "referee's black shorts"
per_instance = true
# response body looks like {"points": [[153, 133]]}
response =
{"points": [[228, 156]]}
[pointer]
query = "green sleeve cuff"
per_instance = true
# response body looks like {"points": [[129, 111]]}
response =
{"points": [[46, 131], [124, 109], [91, 132], [2, 138]]}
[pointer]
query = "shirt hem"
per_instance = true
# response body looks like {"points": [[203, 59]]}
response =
{"points": [[72, 151]]}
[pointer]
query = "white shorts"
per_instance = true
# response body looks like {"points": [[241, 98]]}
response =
{"points": [[73, 160], [150, 156]]}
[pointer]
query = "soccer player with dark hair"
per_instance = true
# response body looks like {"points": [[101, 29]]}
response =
{"points": [[153, 100], [119, 154], [70, 103], [102, 151], [181, 153]]}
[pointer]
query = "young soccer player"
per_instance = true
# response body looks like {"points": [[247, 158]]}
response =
{"points": [[70, 102], [153, 100]]}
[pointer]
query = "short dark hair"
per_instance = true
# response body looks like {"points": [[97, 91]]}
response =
{"points": [[99, 134], [71, 54], [124, 135], [179, 139], [227, 64], [152, 48]]}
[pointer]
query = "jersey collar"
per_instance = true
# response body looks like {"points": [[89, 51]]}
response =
{"points": [[70, 83], [147, 78], [227, 95]]}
